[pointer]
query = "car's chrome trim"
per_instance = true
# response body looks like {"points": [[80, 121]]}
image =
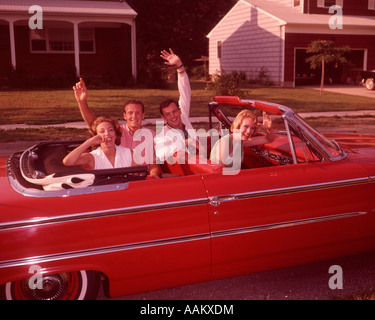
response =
{"points": [[285, 224], [101, 213], [102, 250], [296, 189], [169, 241], [176, 204]]}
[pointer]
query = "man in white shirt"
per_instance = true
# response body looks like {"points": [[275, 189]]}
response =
{"points": [[178, 136]]}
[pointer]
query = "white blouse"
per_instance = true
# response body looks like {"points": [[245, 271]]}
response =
{"points": [[123, 158]]}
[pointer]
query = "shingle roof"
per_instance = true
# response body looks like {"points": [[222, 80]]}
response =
{"points": [[69, 7], [290, 15]]}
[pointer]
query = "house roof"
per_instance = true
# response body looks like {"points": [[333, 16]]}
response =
{"points": [[289, 16], [70, 7]]}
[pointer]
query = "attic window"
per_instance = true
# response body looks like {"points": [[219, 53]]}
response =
{"points": [[54, 40]]}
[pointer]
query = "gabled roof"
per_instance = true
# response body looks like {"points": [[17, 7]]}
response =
{"points": [[70, 7], [289, 16]]}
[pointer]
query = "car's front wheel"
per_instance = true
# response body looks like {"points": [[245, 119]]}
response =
{"points": [[370, 84], [78, 285]]}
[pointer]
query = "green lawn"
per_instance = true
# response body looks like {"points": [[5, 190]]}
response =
{"points": [[59, 106]]}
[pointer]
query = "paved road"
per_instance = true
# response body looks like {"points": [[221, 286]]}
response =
{"points": [[304, 282]]}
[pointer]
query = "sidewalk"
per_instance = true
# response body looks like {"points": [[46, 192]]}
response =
{"points": [[152, 121]]}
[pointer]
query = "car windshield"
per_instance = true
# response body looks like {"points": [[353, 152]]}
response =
{"points": [[330, 146]]}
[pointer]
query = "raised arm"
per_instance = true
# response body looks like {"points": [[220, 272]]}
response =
{"points": [[80, 94], [183, 80], [259, 140]]}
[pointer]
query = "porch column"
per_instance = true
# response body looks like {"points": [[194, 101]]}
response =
{"points": [[134, 51], [12, 45], [76, 50]]}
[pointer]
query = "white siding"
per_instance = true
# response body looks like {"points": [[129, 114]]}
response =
{"points": [[288, 3], [250, 40]]}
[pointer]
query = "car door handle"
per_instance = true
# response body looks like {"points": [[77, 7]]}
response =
{"points": [[215, 201]]}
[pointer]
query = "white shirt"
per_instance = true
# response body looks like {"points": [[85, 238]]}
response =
{"points": [[123, 158], [170, 140]]}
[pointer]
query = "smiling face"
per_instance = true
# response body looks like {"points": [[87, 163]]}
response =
{"points": [[172, 115], [247, 128], [107, 132], [134, 115]]}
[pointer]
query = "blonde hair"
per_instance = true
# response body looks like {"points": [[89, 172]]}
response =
{"points": [[113, 121], [236, 124]]}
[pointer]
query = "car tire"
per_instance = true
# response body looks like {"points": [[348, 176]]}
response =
{"points": [[77, 285], [370, 84]]}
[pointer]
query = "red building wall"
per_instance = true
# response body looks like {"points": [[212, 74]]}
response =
{"points": [[350, 7], [112, 58]]}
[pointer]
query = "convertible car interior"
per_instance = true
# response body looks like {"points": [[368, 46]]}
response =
{"points": [[41, 167]]}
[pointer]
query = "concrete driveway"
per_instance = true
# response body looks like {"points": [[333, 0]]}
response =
{"points": [[357, 90]]}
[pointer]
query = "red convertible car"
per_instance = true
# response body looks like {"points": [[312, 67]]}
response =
{"points": [[301, 198]]}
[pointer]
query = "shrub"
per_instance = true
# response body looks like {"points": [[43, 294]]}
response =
{"points": [[263, 77], [228, 84]]}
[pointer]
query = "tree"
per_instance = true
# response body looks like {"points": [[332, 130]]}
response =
{"points": [[178, 24], [324, 52]]}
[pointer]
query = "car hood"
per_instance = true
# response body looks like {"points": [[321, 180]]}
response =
{"points": [[356, 143], [353, 139]]}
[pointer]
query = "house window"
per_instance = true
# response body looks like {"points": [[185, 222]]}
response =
{"points": [[371, 4], [296, 3], [60, 40], [38, 40], [219, 44], [53, 40], [329, 3]]}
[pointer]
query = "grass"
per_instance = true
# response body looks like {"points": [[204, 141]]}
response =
{"points": [[308, 100], [43, 107], [58, 106], [345, 121]]}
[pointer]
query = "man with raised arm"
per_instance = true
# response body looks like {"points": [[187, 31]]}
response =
{"points": [[177, 137], [134, 135]]}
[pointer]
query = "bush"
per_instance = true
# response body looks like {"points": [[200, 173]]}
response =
{"points": [[228, 84], [263, 77]]}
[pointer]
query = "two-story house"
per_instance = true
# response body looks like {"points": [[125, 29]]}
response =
{"points": [[48, 39], [272, 36]]}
